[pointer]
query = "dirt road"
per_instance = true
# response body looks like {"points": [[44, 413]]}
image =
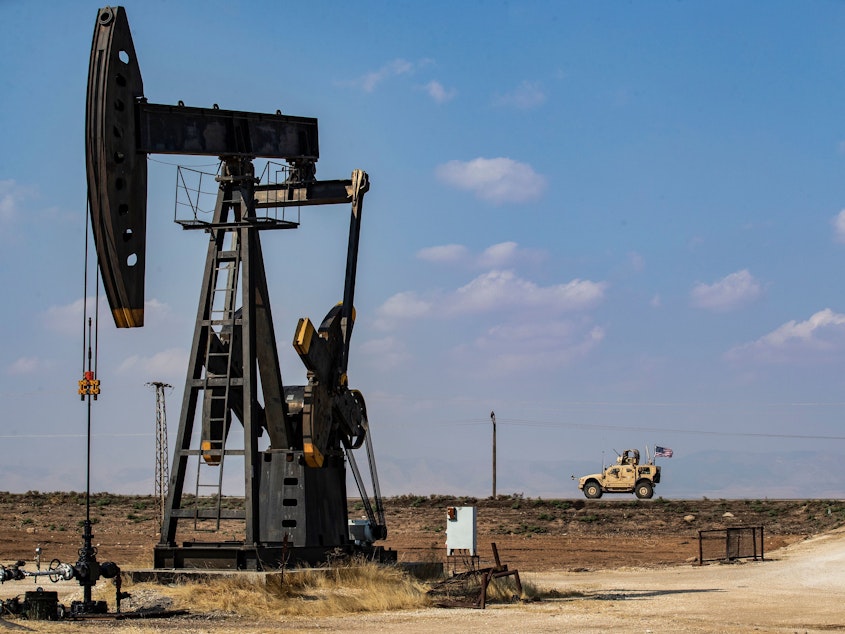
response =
{"points": [[800, 589]]}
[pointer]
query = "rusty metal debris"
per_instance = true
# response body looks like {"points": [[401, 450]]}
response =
{"points": [[469, 588]]}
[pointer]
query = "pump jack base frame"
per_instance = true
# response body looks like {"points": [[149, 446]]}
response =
{"points": [[238, 556]]}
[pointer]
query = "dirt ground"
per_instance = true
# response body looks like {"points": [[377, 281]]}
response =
{"points": [[604, 565], [531, 534]]}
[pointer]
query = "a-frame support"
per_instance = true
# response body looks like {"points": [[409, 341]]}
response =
{"points": [[291, 509], [224, 368]]}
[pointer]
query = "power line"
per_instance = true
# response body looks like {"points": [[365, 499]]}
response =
{"points": [[551, 403], [39, 436], [667, 430]]}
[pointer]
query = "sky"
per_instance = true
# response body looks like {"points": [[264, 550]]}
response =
{"points": [[612, 224]]}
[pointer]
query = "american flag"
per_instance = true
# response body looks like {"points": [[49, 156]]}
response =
{"points": [[662, 452]]}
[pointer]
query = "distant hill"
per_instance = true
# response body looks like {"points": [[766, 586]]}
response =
{"points": [[712, 474]]}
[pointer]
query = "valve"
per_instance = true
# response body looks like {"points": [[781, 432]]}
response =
{"points": [[11, 573]]}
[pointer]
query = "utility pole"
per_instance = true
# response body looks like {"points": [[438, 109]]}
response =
{"points": [[162, 470], [493, 418]]}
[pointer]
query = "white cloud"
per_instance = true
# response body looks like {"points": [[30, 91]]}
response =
{"points": [[530, 346], [394, 68], [499, 255], [11, 196], [439, 93], [443, 253], [388, 352], [823, 333], [157, 311], [401, 307], [637, 261], [492, 292], [493, 257], [497, 180], [732, 291], [497, 290], [25, 365], [529, 94], [167, 363], [67, 319], [839, 227]]}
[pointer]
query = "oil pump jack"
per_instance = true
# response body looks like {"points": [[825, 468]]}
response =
{"points": [[294, 504]]}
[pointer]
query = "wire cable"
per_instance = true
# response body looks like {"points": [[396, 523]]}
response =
{"points": [[85, 279], [640, 428]]}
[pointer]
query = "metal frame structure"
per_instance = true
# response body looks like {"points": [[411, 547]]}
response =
{"points": [[162, 471], [294, 495], [740, 542]]}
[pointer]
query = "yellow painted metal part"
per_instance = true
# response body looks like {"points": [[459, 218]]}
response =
{"points": [[128, 317], [313, 457], [210, 458], [340, 303], [304, 333]]}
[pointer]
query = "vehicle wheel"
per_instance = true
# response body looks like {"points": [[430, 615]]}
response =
{"points": [[592, 490], [645, 490]]}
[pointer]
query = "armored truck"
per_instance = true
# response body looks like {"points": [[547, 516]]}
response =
{"points": [[626, 476]]}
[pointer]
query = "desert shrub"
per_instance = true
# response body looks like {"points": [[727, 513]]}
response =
{"points": [[528, 529], [588, 519], [364, 587]]}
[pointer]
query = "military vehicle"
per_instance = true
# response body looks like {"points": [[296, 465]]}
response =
{"points": [[626, 476]]}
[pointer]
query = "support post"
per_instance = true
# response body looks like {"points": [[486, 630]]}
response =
{"points": [[493, 418]]}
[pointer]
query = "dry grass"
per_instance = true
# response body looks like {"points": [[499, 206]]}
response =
{"points": [[504, 590], [366, 587]]}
